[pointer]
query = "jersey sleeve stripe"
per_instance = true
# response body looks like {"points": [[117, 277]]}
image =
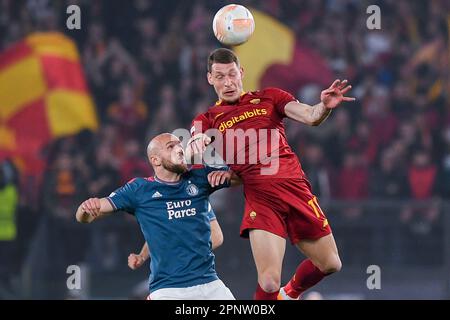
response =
{"points": [[112, 203]]}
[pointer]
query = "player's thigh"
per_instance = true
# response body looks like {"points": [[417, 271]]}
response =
{"points": [[306, 220], [268, 250], [217, 290], [322, 251]]}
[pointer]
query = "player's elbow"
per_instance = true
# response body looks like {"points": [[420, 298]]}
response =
{"points": [[217, 242]]}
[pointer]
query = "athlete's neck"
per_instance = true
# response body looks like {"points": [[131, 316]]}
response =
{"points": [[167, 176]]}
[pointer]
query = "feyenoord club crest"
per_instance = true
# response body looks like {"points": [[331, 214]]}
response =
{"points": [[192, 190]]}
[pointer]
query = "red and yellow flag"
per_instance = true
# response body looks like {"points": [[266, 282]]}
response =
{"points": [[274, 57], [43, 95]]}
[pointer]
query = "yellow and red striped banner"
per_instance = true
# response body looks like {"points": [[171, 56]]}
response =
{"points": [[43, 95]]}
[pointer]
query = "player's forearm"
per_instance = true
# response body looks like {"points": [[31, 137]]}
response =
{"points": [[319, 113], [92, 209], [304, 113], [145, 252]]}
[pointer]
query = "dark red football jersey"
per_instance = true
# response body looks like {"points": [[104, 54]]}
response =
{"points": [[254, 141]]}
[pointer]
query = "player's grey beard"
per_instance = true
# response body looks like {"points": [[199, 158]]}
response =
{"points": [[172, 167]]}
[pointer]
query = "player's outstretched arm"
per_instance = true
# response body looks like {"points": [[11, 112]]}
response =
{"points": [[137, 260], [217, 178], [92, 209], [329, 99], [216, 234]]}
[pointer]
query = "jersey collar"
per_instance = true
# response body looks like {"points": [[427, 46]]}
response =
{"points": [[220, 102], [166, 182]]}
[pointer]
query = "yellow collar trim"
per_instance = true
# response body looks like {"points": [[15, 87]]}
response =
{"points": [[219, 102]]}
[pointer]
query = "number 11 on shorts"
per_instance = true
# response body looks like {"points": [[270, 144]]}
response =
{"points": [[315, 206]]}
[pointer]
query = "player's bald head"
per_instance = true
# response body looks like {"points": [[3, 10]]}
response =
{"points": [[166, 154], [158, 143]]}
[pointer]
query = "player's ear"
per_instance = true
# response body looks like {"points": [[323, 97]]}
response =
{"points": [[241, 70], [210, 78], [155, 161]]}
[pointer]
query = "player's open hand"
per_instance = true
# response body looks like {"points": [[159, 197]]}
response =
{"points": [[334, 95], [92, 207], [135, 261], [217, 178]]}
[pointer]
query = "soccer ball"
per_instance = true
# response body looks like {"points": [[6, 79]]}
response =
{"points": [[233, 25]]}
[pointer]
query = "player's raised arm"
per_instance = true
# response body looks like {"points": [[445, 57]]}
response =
{"points": [[217, 178], [92, 209], [137, 260], [329, 99]]}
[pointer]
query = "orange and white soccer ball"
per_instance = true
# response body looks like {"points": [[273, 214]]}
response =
{"points": [[233, 25]]}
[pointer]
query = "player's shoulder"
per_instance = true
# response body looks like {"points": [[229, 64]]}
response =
{"points": [[139, 182], [195, 170], [199, 122], [271, 91], [202, 116]]}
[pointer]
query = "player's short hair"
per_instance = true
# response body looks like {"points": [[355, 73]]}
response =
{"points": [[222, 55]]}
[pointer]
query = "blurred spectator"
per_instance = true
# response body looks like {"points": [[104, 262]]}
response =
{"points": [[339, 136], [316, 169], [352, 183], [389, 181], [104, 174], [422, 178], [134, 164], [63, 188], [128, 113], [63, 191], [9, 195], [376, 109], [352, 179], [366, 141]]}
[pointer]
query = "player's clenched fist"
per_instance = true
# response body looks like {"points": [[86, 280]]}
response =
{"points": [[135, 261], [217, 178], [91, 206], [197, 145]]}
